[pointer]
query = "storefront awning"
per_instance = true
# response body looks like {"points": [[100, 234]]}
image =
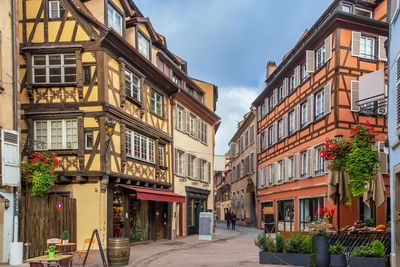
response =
{"points": [[155, 195]]}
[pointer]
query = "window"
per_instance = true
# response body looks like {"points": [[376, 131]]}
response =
{"points": [[303, 157], [179, 118], [346, 8], [319, 161], [270, 136], [281, 171], [303, 109], [263, 144], [161, 155], [263, 109], [114, 19], [176, 80], [56, 9], [241, 144], [54, 68], [304, 74], [369, 108], [271, 103], [191, 162], [56, 134], [132, 85], [202, 169], [246, 139], [320, 57], [291, 122], [143, 147], [143, 45], [367, 47], [179, 162], [291, 84], [291, 168], [156, 103], [363, 12], [280, 94], [280, 129], [87, 75], [89, 141], [192, 121], [319, 105], [252, 134]]}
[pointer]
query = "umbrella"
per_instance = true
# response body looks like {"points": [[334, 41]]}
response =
{"points": [[376, 193], [338, 187]]}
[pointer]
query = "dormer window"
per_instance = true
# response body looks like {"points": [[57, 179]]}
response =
{"points": [[346, 8], [176, 80], [363, 12], [56, 10], [114, 19], [143, 45]]}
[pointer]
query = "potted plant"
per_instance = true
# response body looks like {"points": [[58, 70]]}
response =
{"points": [[337, 258], [320, 244], [298, 247], [267, 247], [369, 255], [52, 251], [65, 237]]}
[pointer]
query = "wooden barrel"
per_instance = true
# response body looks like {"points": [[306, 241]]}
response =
{"points": [[118, 251]]}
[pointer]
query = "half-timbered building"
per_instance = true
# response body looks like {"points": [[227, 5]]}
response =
{"points": [[92, 93], [313, 95]]}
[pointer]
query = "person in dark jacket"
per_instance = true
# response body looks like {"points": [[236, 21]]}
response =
{"points": [[228, 218], [233, 219]]}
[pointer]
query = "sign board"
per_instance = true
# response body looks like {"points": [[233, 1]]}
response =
{"points": [[206, 221]]}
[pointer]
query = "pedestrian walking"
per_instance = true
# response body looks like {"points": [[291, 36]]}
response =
{"points": [[233, 221], [228, 219]]}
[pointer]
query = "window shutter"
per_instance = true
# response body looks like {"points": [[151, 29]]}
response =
{"points": [[275, 97], [188, 165], [251, 162], [297, 166], [258, 144], [266, 104], [297, 118], [310, 162], [209, 171], [259, 112], [381, 48], [187, 121], [383, 157], [285, 125], [327, 100], [260, 179], [398, 89], [355, 44], [286, 169], [285, 87], [328, 48], [274, 133], [198, 168], [393, 8], [176, 160], [310, 108], [355, 91], [198, 124], [10, 158], [297, 76], [310, 61]]}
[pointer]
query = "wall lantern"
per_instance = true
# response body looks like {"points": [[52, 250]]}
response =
{"points": [[110, 126], [6, 203]]}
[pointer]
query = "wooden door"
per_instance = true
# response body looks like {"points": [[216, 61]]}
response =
{"points": [[159, 220]]}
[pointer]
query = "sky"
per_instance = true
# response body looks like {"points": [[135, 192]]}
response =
{"points": [[229, 42]]}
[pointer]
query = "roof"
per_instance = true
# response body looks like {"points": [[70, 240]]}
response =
{"points": [[249, 116]]}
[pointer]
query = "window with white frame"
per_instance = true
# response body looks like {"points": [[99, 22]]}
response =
{"points": [[271, 103], [303, 110], [202, 169], [54, 68], [270, 135], [56, 9], [280, 129], [280, 94], [291, 83], [176, 80], [192, 125], [161, 155], [281, 170], [246, 139], [346, 8], [179, 162], [291, 122], [304, 74], [143, 45], [114, 19], [252, 134], [367, 47], [319, 105], [303, 158], [320, 163], [140, 147], [320, 57], [291, 168], [156, 103], [89, 140], [191, 165], [56, 134], [132, 85], [363, 12], [179, 118], [263, 110]]}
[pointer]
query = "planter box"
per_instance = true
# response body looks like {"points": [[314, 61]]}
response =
{"points": [[338, 261], [362, 262], [285, 258]]}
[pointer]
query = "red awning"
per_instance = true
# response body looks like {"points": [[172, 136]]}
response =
{"points": [[155, 195]]}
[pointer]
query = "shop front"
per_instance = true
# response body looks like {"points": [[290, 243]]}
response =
{"points": [[197, 200], [142, 214]]}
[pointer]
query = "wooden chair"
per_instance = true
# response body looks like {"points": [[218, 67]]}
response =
{"points": [[52, 241], [82, 253], [36, 264], [66, 262]]}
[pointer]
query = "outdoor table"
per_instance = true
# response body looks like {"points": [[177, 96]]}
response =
{"points": [[69, 246], [46, 260]]}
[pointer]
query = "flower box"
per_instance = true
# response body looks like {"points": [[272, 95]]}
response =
{"points": [[338, 260], [366, 261]]}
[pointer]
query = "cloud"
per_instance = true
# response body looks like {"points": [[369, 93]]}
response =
{"points": [[233, 103]]}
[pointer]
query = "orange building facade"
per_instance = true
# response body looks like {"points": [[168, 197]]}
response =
{"points": [[312, 95]]}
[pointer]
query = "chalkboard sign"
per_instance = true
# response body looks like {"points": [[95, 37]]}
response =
{"points": [[205, 225]]}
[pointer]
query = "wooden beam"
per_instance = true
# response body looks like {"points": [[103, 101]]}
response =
{"points": [[64, 179], [81, 178]]}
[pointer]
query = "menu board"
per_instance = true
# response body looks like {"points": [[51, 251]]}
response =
{"points": [[205, 225]]}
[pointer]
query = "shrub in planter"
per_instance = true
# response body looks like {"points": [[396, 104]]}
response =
{"points": [[280, 243], [337, 258], [306, 245], [65, 237], [296, 248], [369, 255]]}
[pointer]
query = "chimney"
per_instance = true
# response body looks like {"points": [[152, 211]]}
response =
{"points": [[271, 67]]}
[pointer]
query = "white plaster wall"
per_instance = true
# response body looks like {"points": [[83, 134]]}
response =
{"points": [[8, 226]]}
